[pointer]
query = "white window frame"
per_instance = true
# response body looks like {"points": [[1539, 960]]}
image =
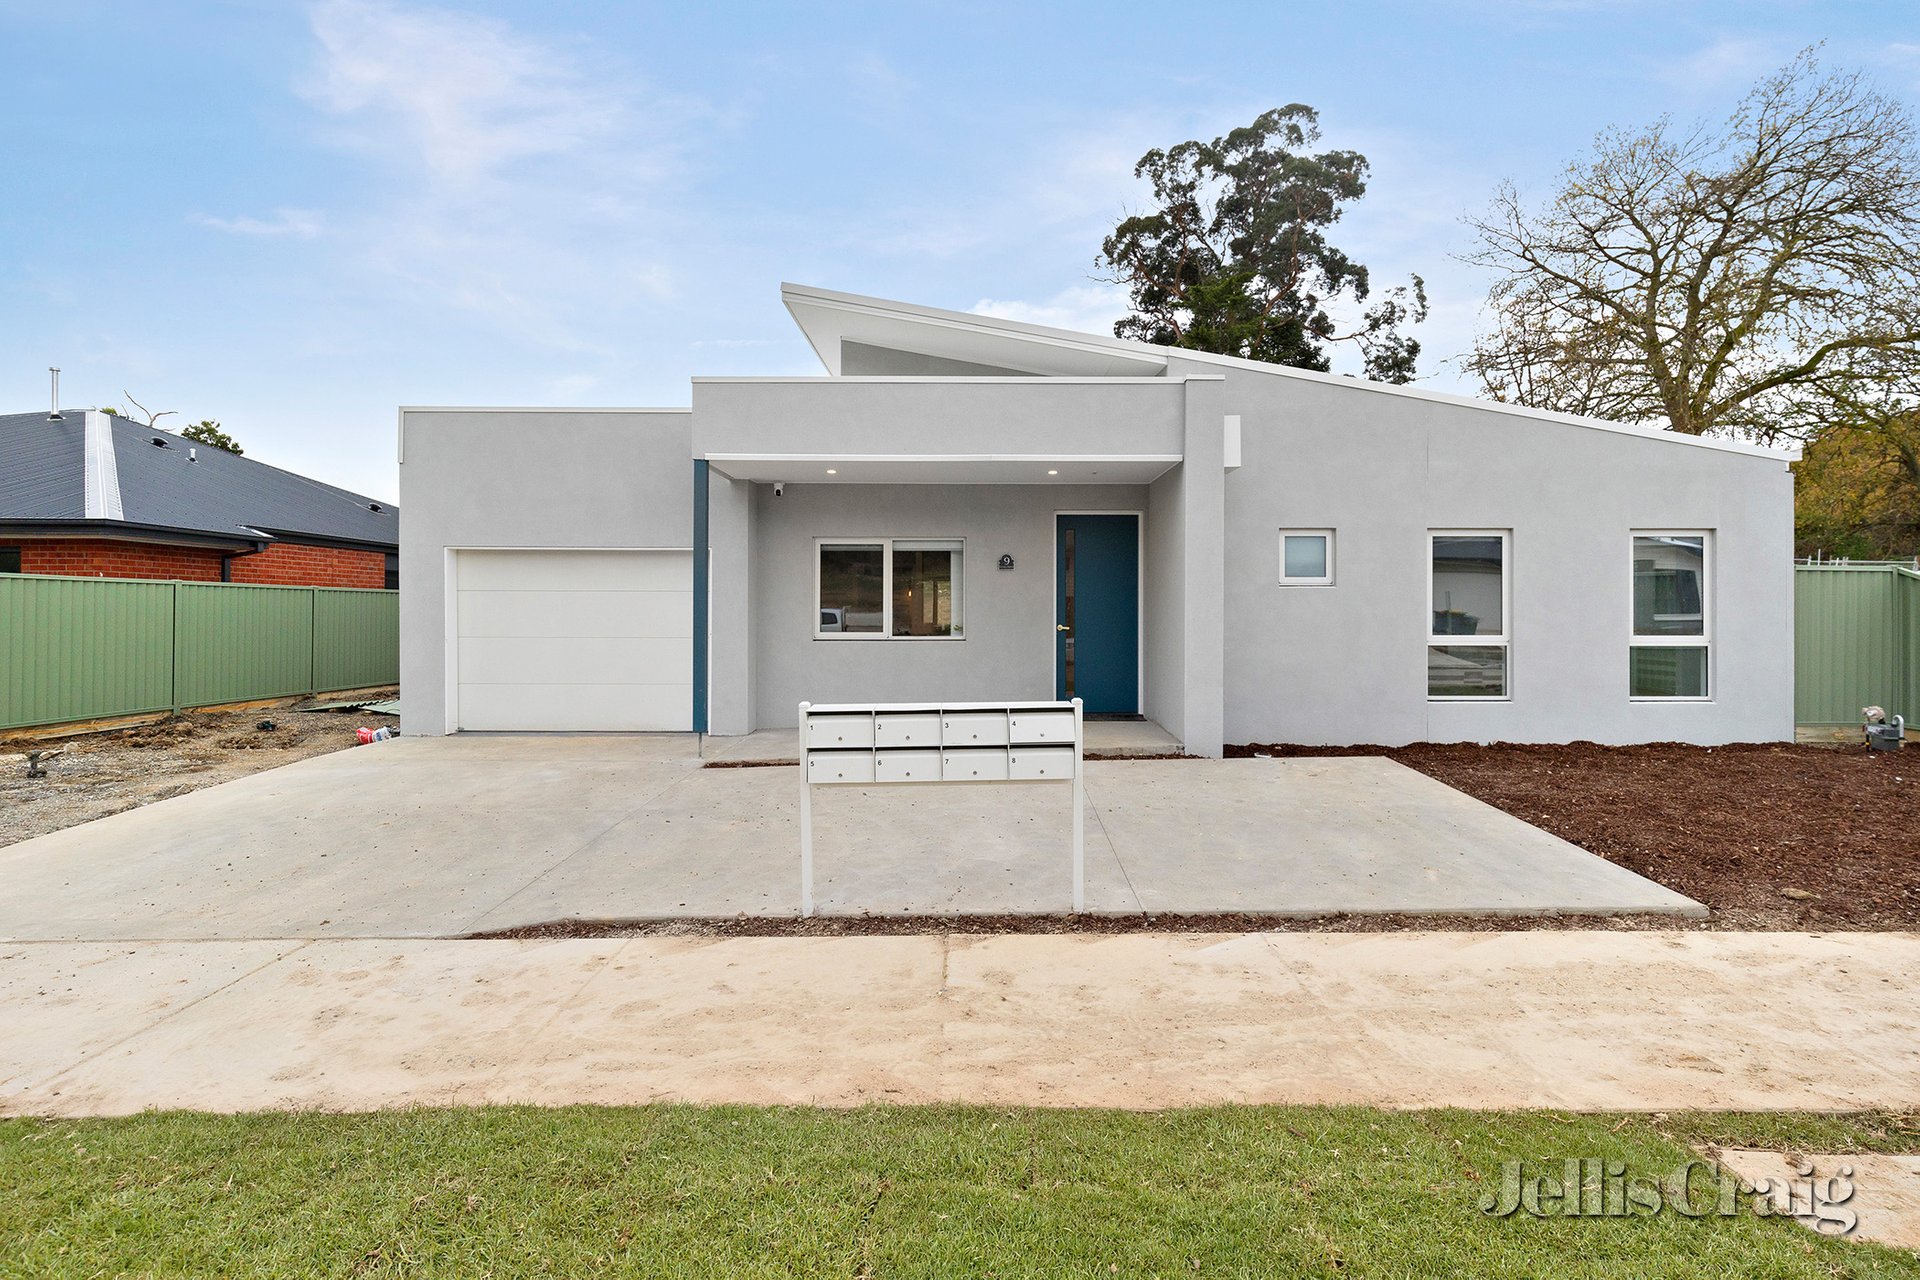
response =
{"points": [[1702, 641], [886, 588], [1324, 580], [1502, 641]]}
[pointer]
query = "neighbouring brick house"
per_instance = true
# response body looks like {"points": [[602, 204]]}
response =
{"points": [[90, 494]]}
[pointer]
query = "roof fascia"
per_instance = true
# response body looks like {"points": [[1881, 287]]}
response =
{"points": [[124, 531], [1018, 329]]}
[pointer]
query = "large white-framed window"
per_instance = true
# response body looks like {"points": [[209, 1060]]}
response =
{"points": [[1670, 650], [889, 588], [1306, 557], [1469, 607]]}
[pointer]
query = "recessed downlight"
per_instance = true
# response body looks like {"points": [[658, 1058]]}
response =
{"points": [[1053, 473], [832, 472]]}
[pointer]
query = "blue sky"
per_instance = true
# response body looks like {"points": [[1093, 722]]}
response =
{"points": [[295, 217]]}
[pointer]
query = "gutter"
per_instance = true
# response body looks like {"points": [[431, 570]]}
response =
{"points": [[245, 540], [228, 557], [125, 531]]}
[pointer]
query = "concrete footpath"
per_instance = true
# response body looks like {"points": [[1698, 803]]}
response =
{"points": [[1585, 1020]]}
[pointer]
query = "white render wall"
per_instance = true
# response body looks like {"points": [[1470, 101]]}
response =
{"points": [[1347, 663], [1008, 652], [1230, 654], [763, 667], [523, 478]]}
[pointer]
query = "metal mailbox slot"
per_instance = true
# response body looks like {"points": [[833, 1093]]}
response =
{"points": [[1028, 764], [975, 764], [840, 731], [977, 729], [839, 766], [907, 766], [1042, 726], [906, 729]]}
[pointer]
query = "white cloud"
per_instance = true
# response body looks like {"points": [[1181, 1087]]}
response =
{"points": [[1728, 63], [1067, 188], [1903, 57], [467, 97], [300, 224], [1551, 7], [1088, 308], [570, 388], [879, 80], [528, 177]]}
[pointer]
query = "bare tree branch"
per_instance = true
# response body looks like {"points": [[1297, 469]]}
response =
{"points": [[152, 417], [1717, 278]]}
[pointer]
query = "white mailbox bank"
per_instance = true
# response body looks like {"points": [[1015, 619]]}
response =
{"points": [[909, 742]]}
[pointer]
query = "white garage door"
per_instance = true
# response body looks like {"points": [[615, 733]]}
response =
{"points": [[575, 639]]}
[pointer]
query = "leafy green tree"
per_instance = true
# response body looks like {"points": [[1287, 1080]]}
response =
{"points": [[207, 431], [1234, 257], [1856, 493]]}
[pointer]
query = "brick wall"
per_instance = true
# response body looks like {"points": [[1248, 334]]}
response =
{"points": [[292, 565], [282, 564], [104, 558]]}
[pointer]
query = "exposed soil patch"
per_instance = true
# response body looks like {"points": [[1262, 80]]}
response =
{"points": [[1766, 835], [1090, 755], [107, 773], [905, 926]]}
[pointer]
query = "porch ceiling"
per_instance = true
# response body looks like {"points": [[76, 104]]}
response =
{"points": [[812, 468]]}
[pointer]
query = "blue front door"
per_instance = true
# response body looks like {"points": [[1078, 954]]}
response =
{"points": [[1097, 612]]}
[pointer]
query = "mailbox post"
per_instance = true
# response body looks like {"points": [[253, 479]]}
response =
{"points": [[900, 744]]}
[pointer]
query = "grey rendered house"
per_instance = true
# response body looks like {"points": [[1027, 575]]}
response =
{"points": [[972, 509]]}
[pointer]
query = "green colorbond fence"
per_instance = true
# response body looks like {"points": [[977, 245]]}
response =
{"points": [[89, 648], [1856, 642]]}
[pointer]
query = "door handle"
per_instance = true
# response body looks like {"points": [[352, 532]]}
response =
{"points": [[1061, 626]]}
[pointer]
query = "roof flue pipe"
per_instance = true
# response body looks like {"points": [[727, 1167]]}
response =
{"points": [[53, 415]]}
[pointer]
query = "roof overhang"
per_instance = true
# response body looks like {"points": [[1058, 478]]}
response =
{"points": [[241, 539], [323, 540], [829, 318], [822, 468], [125, 531]]}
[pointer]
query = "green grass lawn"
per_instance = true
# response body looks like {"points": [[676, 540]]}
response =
{"points": [[939, 1191]]}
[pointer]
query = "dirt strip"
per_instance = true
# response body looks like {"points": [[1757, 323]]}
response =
{"points": [[1584, 1021]]}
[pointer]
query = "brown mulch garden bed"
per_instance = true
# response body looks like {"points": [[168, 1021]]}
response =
{"points": [[1746, 830]]}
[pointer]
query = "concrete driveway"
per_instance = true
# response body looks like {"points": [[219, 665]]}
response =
{"points": [[438, 837]]}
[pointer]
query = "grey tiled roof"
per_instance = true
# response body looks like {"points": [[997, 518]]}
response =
{"points": [[177, 485], [42, 469]]}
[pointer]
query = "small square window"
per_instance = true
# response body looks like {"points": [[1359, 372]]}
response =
{"points": [[9, 559], [1306, 557]]}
